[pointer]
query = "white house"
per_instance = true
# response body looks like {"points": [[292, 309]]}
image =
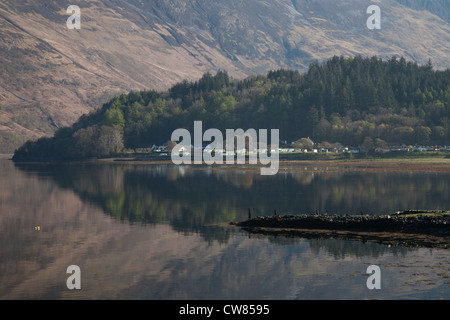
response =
{"points": [[159, 148]]}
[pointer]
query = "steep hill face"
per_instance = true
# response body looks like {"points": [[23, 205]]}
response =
{"points": [[441, 8], [50, 75]]}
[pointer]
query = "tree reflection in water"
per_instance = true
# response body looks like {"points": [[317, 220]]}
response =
{"points": [[194, 199]]}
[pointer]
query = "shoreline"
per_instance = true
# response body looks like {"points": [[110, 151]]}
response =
{"points": [[413, 229], [431, 164]]}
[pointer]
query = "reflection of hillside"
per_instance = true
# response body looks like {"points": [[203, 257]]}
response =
{"points": [[193, 199], [384, 193], [189, 198], [129, 261], [148, 195], [342, 249], [339, 249]]}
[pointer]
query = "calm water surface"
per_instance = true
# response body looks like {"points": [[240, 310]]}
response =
{"points": [[161, 232]]}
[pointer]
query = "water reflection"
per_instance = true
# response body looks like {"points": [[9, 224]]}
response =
{"points": [[190, 197], [160, 232]]}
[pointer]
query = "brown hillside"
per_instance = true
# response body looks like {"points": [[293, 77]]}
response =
{"points": [[50, 75]]}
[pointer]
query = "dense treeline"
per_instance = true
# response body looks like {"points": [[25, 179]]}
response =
{"points": [[353, 101]]}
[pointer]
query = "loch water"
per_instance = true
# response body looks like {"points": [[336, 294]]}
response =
{"points": [[162, 232]]}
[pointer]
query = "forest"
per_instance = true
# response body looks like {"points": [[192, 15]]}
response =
{"points": [[351, 101]]}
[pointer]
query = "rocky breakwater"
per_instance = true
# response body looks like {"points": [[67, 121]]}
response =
{"points": [[430, 228]]}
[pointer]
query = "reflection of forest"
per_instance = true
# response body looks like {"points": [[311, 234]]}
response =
{"points": [[339, 249], [155, 262], [190, 198]]}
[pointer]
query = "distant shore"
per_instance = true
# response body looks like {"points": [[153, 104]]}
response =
{"points": [[290, 164], [421, 228], [405, 162]]}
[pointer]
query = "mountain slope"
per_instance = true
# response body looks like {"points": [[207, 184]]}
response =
{"points": [[50, 75], [347, 101], [441, 8]]}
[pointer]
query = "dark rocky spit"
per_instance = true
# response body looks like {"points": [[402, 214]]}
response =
{"points": [[407, 228]]}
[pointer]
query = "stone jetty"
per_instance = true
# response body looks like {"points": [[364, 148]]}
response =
{"points": [[408, 226]]}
